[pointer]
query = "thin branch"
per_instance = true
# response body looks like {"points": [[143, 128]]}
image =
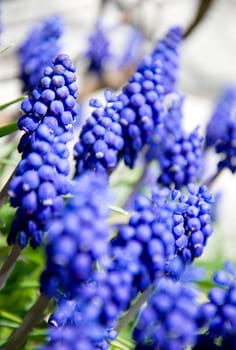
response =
{"points": [[131, 313], [31, 319], [3, 193], [204, 6], [9, 264], [209, 182], [136, 186]]}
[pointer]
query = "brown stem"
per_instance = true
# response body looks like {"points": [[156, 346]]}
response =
{"points": [[209, 182], [31, 319], [204, 6], [9, 264]]}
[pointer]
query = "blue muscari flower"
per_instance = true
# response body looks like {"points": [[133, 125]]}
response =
{"points": [[98, 51], [224, 112], [142, 100], [138, 109], [40, 179], [167, 50], [169, 320], [180, 158], [226, 147], [97, 306], [38, 50], [146, 243], [218, 315], [101, 139], [79, 238], [178, 153], [192, 222], [170, 128]]}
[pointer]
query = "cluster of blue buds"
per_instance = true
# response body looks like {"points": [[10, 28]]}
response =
{"points": [[180, 159], [75, 323], [167, 51], [218, 315], [142, 100], [78, 238], [178, 153], [98, 51], [170, 128], [101, 139], [192, 221], [137, 110], [223, 113], [94, 312], [147, 240], [40, 179], [38, 50], [226, 147], [169, 321]]}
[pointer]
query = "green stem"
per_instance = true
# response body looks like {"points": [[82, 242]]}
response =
{"points": [[4, 190], [131, 313], [31, 319], [136, 186], [9, 264]]}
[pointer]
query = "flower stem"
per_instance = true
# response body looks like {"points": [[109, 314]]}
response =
{"points": [[9, 264], [31, 319], [3, 193], [136, 186], [131, 313], [209, 182]]}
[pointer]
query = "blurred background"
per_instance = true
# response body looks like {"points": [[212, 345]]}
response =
{"points": [[208, 56]]}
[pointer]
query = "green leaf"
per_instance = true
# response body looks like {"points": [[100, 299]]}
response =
{"points": [[118, 210], [5, 48], [7, 104], [9, 324], [122, 344], [9, 316], [8, 129]]}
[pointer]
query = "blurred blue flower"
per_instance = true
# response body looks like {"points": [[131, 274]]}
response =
{"points": [[169, 320], [218, 315], [38, 49], [78, 238], [224, 112]]}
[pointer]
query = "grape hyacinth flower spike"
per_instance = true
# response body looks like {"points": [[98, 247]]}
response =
{"points": [[38, 49], [218, 315], [226, 148], [169, 320], [167, 51], [77, 240], [40, 179], [142, 108], [98, 51], [101, 140], [223, 113], [192, 221], [179, 154], [147, 243]]}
